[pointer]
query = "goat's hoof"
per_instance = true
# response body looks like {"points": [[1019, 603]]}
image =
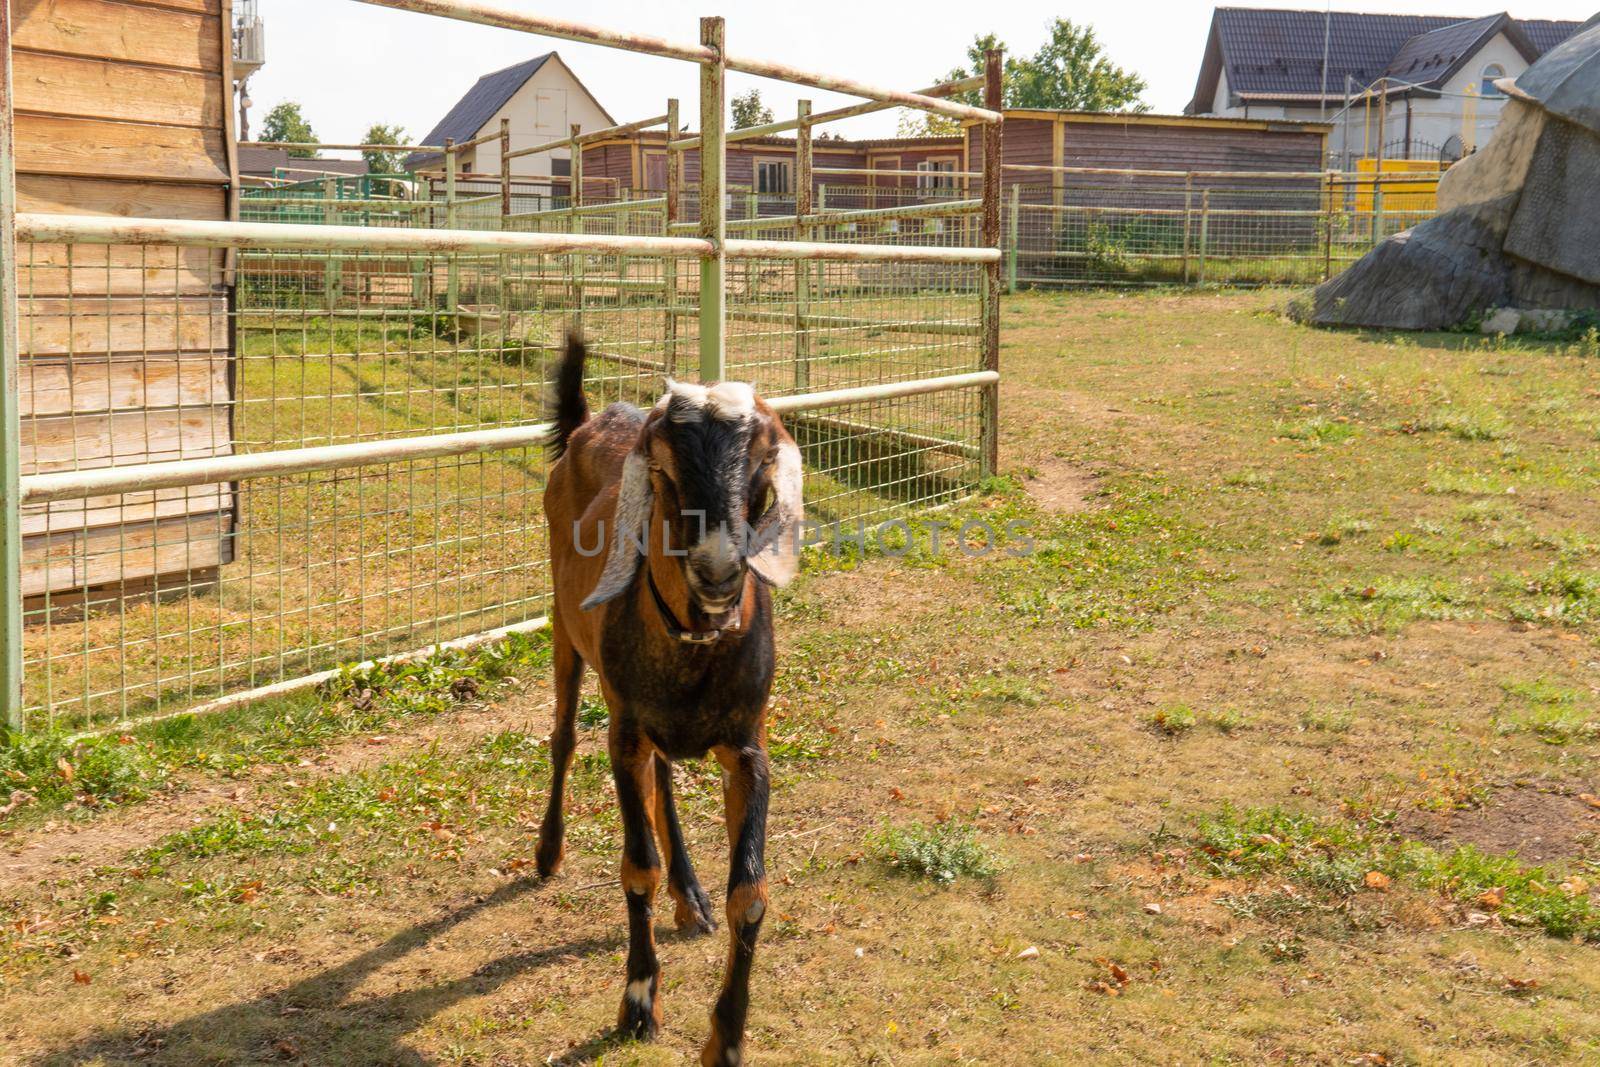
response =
{"points": [[717, 1054], [693, 915], [547, 858], [638, 1021]]}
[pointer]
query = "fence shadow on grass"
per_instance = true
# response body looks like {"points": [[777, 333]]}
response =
{"points": [[314, 1021]]}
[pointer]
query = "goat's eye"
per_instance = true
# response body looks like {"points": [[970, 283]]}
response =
{"points": [[769, 459]]}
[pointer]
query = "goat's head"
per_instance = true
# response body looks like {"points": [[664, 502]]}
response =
{"points": [[715, 477]]}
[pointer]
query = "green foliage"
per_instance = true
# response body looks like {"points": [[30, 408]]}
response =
{"points": [[1337, 857], [1173, 721], [748, 110], [1070, 71], [286, 123], [384, 162], [943, 852]]}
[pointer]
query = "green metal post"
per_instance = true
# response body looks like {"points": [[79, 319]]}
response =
{"points": [[333, 269], [1377, 209], [10, 416], [453, 268], [713, 209], [802, 227], [1013, 230], [1188, 221], [669, 265]]}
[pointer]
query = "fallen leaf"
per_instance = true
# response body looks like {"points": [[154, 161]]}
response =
{"points": [[1575, 886], [1492, 898], [67, 773], [1521, 984], [1119, 974], [1377, 880], [81, 978], [1590, 799], [1152, 908], [1029, 953], [18, 798]]}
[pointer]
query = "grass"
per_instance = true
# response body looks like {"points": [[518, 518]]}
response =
{"points": [[1340, 858], [1386, 659], [58, 771], [941, 853]]}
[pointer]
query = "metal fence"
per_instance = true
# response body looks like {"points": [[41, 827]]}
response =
{"points": [[1124, 227], [266, 448]]}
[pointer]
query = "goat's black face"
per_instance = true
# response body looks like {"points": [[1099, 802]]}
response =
{"points": [[710, 465]]}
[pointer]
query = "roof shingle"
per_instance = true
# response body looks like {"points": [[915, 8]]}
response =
{"points": [[1268, 52], [487, 96]]}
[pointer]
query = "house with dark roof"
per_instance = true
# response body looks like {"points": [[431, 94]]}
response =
{"points": [[278, 163], [541, 96], [1419, 86]]}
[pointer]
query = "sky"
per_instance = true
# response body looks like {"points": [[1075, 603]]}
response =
{"points": [[352, 64]]}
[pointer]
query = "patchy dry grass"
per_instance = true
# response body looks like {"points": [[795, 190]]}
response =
{"points": [[1359, 568]]}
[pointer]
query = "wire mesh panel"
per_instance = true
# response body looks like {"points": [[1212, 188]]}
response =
{"points": [[156, 600], [1168, 229]]}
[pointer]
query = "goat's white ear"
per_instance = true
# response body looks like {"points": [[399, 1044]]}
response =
{"points": [[627, 530], [775, 540]]}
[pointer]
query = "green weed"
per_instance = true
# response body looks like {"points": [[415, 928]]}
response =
{"points": [[943, 852]]}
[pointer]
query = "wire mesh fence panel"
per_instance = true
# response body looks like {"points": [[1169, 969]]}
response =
{"points": [[146, 602], [1168, 229]]}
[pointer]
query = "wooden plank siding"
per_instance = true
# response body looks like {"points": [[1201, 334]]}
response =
{"points": [[123, 108]]}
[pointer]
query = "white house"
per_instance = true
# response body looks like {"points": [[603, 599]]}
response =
{"points": [[1419, 86], [541, 97]]}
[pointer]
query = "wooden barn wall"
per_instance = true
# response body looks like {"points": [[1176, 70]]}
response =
{"points": [[1141, 146], [122, 108]]}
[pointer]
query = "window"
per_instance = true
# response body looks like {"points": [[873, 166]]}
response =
{"points": [[772, 176], [1491, 74], [560, 168], [931, 175]]}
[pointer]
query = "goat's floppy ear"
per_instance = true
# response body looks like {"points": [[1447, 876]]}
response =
{"points": [[627, 529], [774, 552]]}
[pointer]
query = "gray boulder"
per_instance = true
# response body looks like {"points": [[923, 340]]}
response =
{"points": [[1519, 222]]}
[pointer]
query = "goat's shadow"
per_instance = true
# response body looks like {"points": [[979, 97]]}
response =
{"points": [[311, 1021]]}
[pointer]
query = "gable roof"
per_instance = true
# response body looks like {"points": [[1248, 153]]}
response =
{"points": [[486, 97], [1276, 54], [264, 162]]}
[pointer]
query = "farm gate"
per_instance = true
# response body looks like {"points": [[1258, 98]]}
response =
{"points": [[360, 419]]}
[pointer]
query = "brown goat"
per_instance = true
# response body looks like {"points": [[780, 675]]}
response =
{"points": [[696, 505]]}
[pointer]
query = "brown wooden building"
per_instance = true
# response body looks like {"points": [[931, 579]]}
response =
{"points": [[122, 108], [1114, 140]]}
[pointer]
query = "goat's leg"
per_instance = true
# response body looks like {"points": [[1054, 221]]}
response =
{"points": [[568, 670], [633, 767], [745, 787], [693, 914]]}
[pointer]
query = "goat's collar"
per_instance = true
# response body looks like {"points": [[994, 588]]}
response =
{"points": [[680, 633]]}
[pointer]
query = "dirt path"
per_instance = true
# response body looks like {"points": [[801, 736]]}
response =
{"points": [[38, 852]]}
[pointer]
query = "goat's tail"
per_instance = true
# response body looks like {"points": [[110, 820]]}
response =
{"points": [[571, 407]]}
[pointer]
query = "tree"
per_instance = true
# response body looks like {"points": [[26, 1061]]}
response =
{"points": [[749, 111], [384, 162], [1070, 71], [286, 123]]}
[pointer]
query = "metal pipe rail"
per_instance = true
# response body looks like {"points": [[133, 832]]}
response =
{"points": [[941, 209], [584, 138], [344, 147], [116, 230], [488, 14], [177, 474], [1337, 176], [899, 173], [769, 128]]}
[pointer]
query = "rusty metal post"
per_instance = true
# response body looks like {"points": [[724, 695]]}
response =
{"points": [[1327, 236], [802, 226], [10, 413], [1188, 222], [1377, 167], [669, 265], [505, 169], [1205, 230], [713, 208], [993, 99], [575, 261]]}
